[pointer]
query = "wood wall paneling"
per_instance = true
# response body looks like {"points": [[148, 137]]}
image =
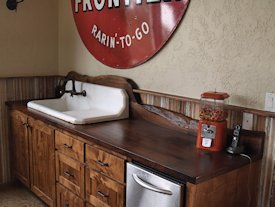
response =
{"points": [[3, 132], [19, 88]]}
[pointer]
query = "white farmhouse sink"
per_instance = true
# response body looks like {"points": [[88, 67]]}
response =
{"points": [[101, 103]]}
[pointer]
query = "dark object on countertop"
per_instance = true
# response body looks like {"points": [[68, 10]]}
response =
{"points": [[235, 147], [12, 4]]}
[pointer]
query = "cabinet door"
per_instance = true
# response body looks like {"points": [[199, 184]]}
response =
{"points": [[42, 163], [20, 147], [65, 198], [102, 191]]}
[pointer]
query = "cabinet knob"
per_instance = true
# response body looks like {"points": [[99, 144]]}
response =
{"points": [[66, 205], [102, 194], [68, 146], [26, 125], [68, 174], [103, 164]]}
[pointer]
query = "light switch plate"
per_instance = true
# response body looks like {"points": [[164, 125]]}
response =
{"points": [[270, 102], [247, 121]]}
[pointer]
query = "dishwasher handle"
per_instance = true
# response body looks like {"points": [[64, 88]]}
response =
{"points": [[150, 186]]}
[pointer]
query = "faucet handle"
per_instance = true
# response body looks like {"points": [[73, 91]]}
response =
{"points": [[59, 91]]}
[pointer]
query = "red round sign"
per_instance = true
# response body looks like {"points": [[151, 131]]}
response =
{"points": [[126, 33]]}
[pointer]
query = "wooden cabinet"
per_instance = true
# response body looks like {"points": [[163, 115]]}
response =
{"points": [[20, 147], [98, 179], [42, 161], [92, 176], [33, 149], [227, 190], [70, 169]]}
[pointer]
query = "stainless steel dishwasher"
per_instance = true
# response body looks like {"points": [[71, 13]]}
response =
{"points": [[147, 189]]}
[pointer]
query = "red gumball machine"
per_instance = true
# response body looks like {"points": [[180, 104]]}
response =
{"points": [[212, 128]]}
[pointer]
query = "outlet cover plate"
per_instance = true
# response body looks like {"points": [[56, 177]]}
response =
{"points": [[270, 102], [247, 121]]}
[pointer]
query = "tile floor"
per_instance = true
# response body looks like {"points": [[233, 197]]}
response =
{"points": [[16, 195]]}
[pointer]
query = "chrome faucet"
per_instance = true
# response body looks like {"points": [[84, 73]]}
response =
{"points": [[73, 92]]}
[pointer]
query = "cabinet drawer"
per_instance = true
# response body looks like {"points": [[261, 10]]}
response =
{"points": [[89, 205], [70, 173], [69, 145], [102, 191], [106, 163], [65, 198]]}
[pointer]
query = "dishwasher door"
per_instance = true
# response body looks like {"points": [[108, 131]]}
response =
{"points": [[146, 189]]}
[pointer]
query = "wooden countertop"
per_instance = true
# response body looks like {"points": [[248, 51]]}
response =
{"points": [[168, 151]]}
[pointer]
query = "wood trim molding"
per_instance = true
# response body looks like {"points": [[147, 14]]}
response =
{"points": [[175, 97]]}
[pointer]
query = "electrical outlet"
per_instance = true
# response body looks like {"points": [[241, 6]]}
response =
{"points": [[270, 102], [247, 121]]}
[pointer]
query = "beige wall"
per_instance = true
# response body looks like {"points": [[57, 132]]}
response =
{"points": [[28, 39], [224, 45]]}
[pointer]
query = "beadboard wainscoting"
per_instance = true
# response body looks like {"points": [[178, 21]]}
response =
{"points": [[13, 89], [262, 121]]}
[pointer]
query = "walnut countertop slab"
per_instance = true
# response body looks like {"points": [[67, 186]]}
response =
{"points": [[169, 151]]}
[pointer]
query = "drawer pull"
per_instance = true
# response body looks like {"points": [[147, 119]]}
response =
{"points": [[150, 186], [103, 164], [68, 174], [68, 146], [102, 194], [26, 125], [66, 205]]}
